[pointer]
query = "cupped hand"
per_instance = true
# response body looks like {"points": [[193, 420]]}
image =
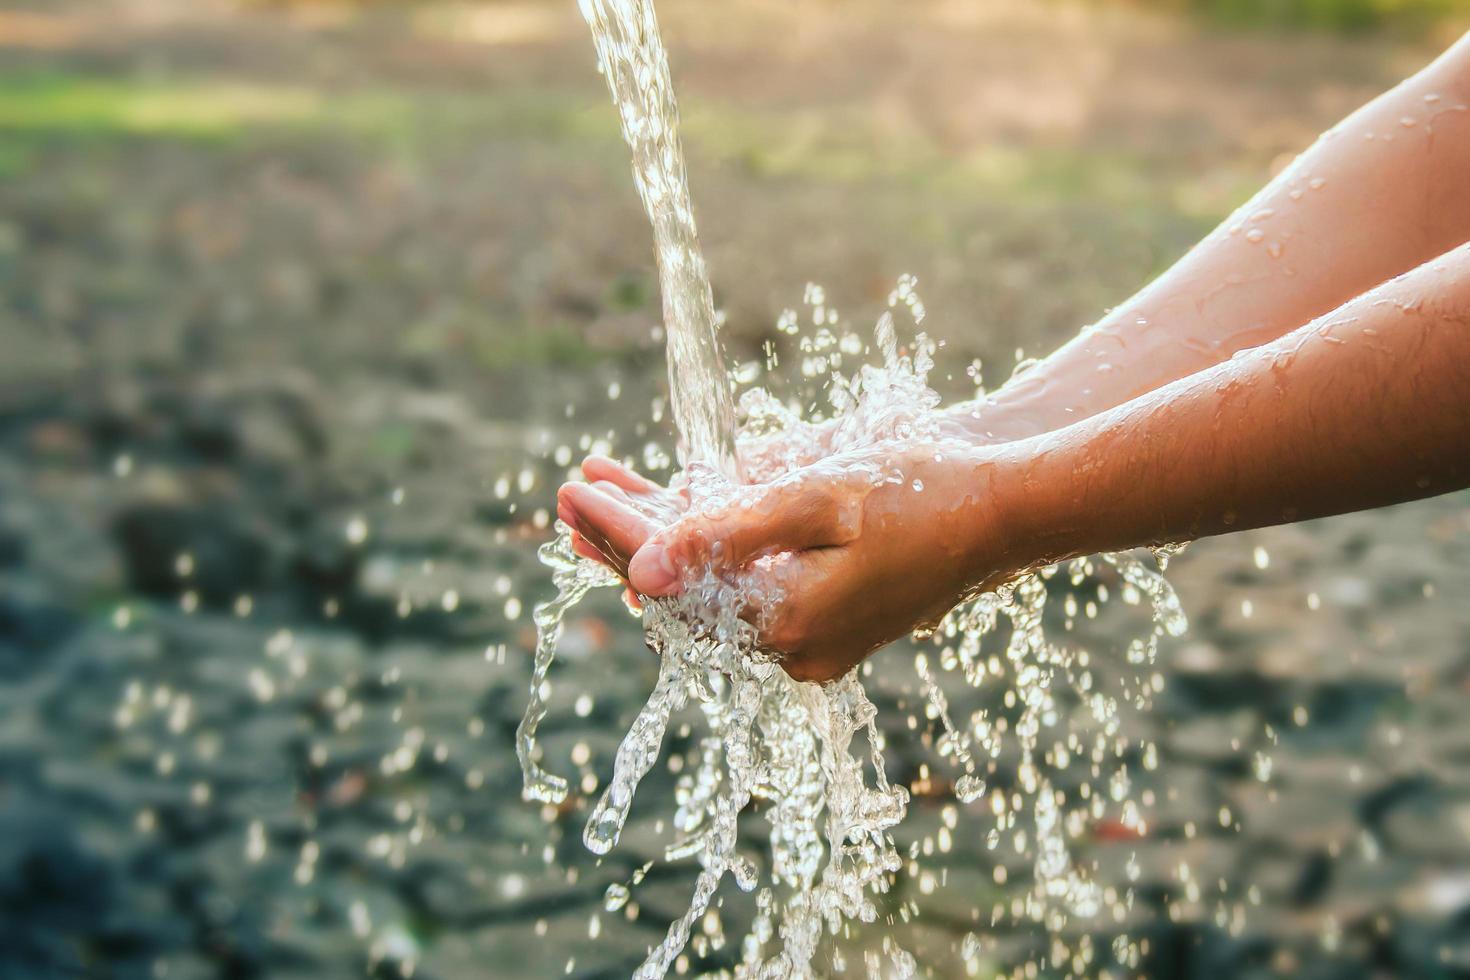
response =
{"points": [[853, 552], [615, 512]]}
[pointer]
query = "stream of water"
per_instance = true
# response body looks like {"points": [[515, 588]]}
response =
{"points": [[631, 57], [812, 757]]}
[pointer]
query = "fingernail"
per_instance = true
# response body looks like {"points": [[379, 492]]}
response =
{"points": [[652, 571], [567, 515]]}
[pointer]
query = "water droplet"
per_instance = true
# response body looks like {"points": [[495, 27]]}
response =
{"points": [[615, 897], [255, 843], [969, 788], [356, 530]]}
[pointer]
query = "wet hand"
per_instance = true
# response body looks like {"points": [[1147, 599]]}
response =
{"points": [[854, 551], [615, 512]]}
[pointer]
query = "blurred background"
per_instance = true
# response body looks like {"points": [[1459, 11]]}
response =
{"points": [[306, 308]]}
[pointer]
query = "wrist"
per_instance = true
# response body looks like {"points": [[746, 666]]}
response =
{"points": [[998, 518], [1033, 512]]}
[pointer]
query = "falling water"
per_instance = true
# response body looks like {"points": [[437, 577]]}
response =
{"points": [[829, 803], [631, 57]]}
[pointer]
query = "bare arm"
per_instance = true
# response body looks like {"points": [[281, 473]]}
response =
{"points": [[1381, 193], [1369, 405], [1366, 406], [1218, 412]]}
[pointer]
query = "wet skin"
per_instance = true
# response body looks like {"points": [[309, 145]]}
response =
{"points": [[842, 553], [1382, 192], [1224, 406]]}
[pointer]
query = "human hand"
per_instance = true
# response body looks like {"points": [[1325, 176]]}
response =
{"points": [[854, 551], [619, 510]]}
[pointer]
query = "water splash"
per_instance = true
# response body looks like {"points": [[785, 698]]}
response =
{"points": [[573, 579], [830, 807]]}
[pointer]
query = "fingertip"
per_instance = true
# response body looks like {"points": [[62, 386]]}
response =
{"points": [[589, 506], [574, 495], [596, 463], [605, 468], [567, 496], [652, 571], [565, 512]]}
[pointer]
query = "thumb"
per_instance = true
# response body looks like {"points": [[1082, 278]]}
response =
{"points": [[780, 517]]}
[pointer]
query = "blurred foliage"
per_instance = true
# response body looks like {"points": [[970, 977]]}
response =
{"points": [[59, 102], [1410, 17]]}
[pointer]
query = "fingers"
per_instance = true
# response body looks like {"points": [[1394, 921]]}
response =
{"points": [[580, 546], [780, 517], [661, 504], [596, 468], [615, 512], [612, 528]]}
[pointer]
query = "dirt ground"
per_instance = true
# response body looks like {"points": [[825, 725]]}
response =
{"points": [[295, 307]]}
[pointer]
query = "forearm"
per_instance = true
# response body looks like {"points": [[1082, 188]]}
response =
{"points": [[1367, 406], [1383, 192]]}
